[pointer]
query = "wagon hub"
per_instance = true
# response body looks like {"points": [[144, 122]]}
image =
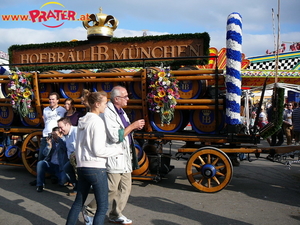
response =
{"points": [[208, 171]]}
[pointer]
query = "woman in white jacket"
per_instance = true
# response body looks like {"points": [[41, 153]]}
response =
{"points": [[91, 156]]}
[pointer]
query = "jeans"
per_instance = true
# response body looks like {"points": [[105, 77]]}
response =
{"points": [[43, 145], [98, 179], [69, 169], [44, 167]]}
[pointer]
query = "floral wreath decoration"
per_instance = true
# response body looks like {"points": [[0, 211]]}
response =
{"points": [[163, 93], [20, 92]]}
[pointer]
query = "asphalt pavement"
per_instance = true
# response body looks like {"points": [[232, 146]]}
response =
{"points": [[261, 192]]}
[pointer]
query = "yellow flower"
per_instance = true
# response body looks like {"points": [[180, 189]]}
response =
{"points": [[161, 74], [160, 104], [161, 93], [156, 99], [166, 113], [26, 94], [15, 77]]}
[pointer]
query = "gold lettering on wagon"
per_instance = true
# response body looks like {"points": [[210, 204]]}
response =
{"points": [[111, 51]]}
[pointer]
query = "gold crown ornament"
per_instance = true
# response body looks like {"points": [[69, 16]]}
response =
{"points": [[102, 26], [206, 112]]}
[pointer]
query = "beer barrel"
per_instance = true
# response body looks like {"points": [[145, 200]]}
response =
{"points": [[204, 121], [143, 162], [2, 153], [134, 114], [192, 89], [31, 120], [107, 86], [6, 115], [4, 89], [180, 121], [46, 88], [73, 89], [13, 154], [135, 88]]}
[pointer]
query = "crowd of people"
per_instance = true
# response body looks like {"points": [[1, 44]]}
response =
{"points": [[290, 123], [90, 151]]}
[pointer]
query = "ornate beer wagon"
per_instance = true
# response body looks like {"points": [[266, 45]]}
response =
{"points": [[210, 146]]}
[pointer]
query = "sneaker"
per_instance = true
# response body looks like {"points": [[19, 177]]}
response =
{"points": [[32, 183], [39, 188], [121, 220], [87, 219]]}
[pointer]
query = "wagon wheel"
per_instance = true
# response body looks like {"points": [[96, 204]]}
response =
{"points": [[30, 150], [209, 169]]}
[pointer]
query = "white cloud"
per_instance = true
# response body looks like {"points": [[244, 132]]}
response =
{"points": [[162, 17], [19, 36]]}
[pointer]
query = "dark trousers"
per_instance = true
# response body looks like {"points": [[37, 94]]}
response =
{"points": [[277, 139]]}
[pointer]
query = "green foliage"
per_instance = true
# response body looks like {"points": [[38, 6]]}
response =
{"points": [[278, 100]]}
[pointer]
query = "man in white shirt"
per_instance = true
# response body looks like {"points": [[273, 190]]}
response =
{"points": [[51, 114]]}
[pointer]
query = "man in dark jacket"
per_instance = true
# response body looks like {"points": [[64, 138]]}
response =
{"points": [[55, 154]]}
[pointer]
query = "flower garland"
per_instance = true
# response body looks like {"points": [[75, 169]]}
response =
{"points": [[163, 92], [21, 92]]}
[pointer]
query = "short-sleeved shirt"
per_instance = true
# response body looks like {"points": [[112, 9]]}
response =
{"points": [[50, 118]]}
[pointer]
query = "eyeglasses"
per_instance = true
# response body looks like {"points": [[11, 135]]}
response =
{"points": [[126, 96]]}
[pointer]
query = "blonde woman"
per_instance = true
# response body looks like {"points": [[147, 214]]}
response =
{"points": [[91, 156]]}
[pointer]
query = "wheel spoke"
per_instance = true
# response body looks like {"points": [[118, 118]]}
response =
{"points": [[220, 167], [196, 165], [201, 160], [33, 163], [209, 183], [208, 159], [196, 173], [30, 149], [215, 161], [29, 157], [216, 179], [200, 181], [220, 174], [33, 143]]}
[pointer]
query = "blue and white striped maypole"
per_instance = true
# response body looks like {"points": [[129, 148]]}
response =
{"points": [[233, 69]]}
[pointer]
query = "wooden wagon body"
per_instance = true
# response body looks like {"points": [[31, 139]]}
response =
{"points": [[210, 148]]}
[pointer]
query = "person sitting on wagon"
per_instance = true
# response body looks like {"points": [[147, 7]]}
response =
{"points": [[70, 133], [55, 154], [71, 112], [51, 114]]}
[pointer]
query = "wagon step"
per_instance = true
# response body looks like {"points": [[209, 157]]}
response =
{"points": [[153, 177]]}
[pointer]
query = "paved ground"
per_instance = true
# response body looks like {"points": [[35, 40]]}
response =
{"points": [[261, 192]]}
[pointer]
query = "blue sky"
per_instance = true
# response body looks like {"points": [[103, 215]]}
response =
{"points": [[159, 17]]}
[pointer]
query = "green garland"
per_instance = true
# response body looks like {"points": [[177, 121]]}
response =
{"points": [[277, 120], [175, 63]]}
